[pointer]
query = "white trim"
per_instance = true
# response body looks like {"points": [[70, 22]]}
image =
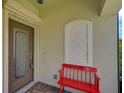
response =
{"points": [[5, 52], [89, 23], [17, 12], [18, 9]]}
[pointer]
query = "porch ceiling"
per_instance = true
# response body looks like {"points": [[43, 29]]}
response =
{"points": [[106, 7], [110, 7]]}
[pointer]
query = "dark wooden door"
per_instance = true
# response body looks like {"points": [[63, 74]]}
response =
{"points": [[21, 41]]}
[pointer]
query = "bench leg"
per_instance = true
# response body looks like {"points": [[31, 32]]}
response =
{"points": [[61, 89]]}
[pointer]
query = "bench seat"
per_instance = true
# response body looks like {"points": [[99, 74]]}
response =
{"points": [[78, 85]]}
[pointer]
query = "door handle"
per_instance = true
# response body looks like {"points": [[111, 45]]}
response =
{"points": [[31, 66]]}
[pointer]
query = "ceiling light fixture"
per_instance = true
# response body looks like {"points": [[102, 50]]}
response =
{"points": [[40, 1]]}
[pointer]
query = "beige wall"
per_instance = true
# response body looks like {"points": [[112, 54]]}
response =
{"points": [[52, 33], [52, 41], [105, 52]]}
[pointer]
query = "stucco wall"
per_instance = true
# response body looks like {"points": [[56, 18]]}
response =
{"points": [[105, 52], [52, 41], [54, 19]]}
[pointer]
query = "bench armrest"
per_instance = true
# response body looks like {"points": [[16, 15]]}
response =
{"points": [[97, 79], [61, 73]]}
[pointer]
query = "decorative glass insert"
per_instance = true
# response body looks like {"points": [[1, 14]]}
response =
{"points": [[20, 53], [78, 43]]}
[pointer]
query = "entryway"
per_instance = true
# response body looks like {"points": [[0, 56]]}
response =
{"points": [[21, 55], [23, 33]]}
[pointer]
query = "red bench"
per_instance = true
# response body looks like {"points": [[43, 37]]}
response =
{"points": [[78, 77]]}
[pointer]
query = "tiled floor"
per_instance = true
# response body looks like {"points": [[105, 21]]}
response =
{"points": [[40, 87]]}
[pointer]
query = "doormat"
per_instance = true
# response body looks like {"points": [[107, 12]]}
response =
{"points": [[40, 87]]}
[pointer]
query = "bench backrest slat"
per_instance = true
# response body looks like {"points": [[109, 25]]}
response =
{"points": [[80, 73]]}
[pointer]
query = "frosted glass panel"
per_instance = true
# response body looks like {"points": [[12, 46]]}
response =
{"points": [[78, 43], [21, 53]]}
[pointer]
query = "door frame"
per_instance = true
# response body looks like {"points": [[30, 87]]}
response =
{"points": [[17, 12]]}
